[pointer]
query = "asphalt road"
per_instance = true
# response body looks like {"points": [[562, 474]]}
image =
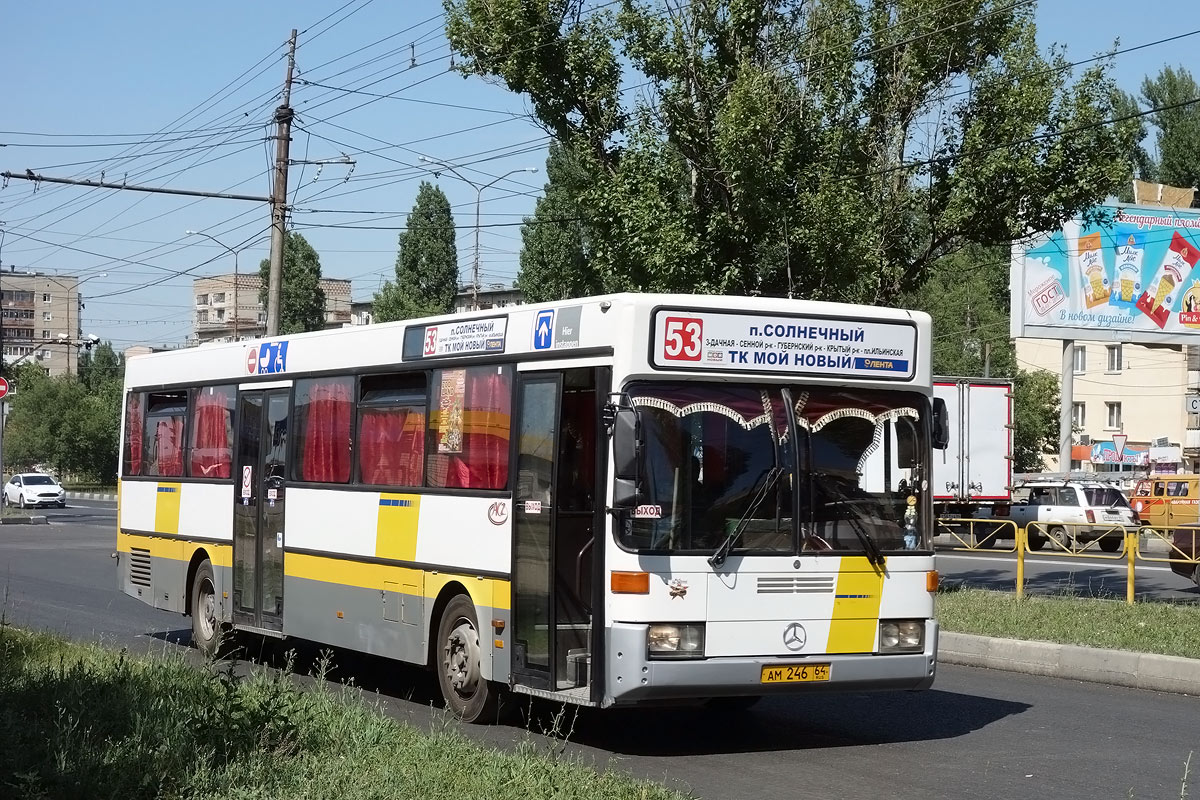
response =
{"points": [[1054, 573], [977, 733]]}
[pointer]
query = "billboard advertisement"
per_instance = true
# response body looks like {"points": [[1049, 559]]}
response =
{"points": [[1133, 276]]}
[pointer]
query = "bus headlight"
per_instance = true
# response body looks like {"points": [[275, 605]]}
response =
{"points": [[901, 635], [675, 640]]}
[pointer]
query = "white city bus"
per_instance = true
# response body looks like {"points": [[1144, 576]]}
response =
{"points": [[607, 501]]}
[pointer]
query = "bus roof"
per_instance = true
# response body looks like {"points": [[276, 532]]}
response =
{"points": [[643, 334]]}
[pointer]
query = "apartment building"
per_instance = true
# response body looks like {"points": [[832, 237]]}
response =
{"points": [[495, 295], [40, 320], [227, 307], [1131, 390]]}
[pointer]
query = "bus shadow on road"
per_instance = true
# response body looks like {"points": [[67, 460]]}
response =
{"points": [[792, 723]]}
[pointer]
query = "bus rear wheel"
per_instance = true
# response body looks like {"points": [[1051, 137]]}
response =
{"points": [[468, 695], [206, 627]]}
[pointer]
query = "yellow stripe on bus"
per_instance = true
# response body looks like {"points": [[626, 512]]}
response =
{"points": [[396, 530], [221, 555], [166, 508], [486, 592], [856, 607]]}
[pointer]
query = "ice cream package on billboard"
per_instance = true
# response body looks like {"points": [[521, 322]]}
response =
{"points": [[1127, 277], [1093, 277], [1159, 298]]}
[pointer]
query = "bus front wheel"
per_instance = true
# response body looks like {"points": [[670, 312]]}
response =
{"points": [[206, 627], [469, 696]]}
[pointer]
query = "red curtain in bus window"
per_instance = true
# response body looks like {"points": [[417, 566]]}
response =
{"points": [[212, 451], [391, 445], [327, 433], [168, 443], [487, 418], [133, 435]]}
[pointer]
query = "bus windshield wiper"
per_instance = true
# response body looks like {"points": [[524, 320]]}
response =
{"points": [[874, 554], [766, 482]]}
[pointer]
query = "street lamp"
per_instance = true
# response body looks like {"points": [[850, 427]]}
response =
{"points": [[478, 195], [235, 252]]}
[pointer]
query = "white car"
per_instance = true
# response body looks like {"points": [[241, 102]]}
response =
{"points": [[31, 489], [1082, 511]]}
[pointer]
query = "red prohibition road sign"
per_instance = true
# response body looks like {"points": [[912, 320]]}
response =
{"points": [[3, 387], [252, 360]]}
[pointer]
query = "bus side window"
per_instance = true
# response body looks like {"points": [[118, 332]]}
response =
{"points": [[164, 444], [132, 449], [1158, 488], [324, 408], [391, 429], [1177, 489], [469, 428]]}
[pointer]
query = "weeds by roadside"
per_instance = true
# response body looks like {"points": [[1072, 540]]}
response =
{"points": [[81, 721]]}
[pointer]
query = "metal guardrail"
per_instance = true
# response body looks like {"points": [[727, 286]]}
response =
{"points": [[1095, 541], [979, 534]]}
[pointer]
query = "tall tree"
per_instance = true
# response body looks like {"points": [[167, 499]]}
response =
{"points": [[302, 300], [100, 364], [856, 142], [426, 262], [1177, 126], [554, 252]]}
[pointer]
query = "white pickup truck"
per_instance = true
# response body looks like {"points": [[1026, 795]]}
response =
{"points": [[1066, 510]]}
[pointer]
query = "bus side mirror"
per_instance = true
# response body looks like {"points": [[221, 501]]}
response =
{"points": [[941, 424], [627, 454]]}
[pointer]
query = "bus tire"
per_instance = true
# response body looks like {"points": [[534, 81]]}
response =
{"points": [[206, 627], [468, 695]]}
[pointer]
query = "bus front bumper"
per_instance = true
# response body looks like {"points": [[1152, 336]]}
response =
{"points": [[635, 678]]}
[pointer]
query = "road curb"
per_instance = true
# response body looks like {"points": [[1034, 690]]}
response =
{"points": [[27, 519], [1116, 667], [111, 498]]}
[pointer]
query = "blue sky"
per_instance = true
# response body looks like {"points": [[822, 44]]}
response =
{"points": [[100, 74]]}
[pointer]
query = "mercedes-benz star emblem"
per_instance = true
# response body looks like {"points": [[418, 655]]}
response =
{"points": [[794, 636]]}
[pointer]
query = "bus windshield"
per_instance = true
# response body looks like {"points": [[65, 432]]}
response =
{"points": [[794, 469]]}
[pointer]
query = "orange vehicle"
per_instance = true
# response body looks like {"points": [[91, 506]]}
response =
{"points": [[1166, 501]]}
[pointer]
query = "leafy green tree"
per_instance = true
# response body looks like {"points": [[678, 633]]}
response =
{"points": [[554, 252], [832, 150], [79, 437], [1177, 130], [29, 432], [100, 364], [301, 300], [426, 262], [1035, 419]]}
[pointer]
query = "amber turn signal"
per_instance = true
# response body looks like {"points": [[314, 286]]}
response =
{"points": [[630, 582], [931, 580]]}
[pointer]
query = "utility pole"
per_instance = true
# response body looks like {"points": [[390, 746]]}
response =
{"points": [[283, 138]]}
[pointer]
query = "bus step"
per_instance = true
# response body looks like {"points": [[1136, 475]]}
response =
{"points": [[579, 666]]}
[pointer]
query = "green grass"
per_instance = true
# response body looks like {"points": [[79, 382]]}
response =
{"points": [[82, 721], [1171, 629]]}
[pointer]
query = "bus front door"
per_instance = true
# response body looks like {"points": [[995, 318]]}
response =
{"points": [[258, 507], [555, 517]]}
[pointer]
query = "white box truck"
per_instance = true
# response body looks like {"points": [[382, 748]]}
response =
{"points": [[974, 473]]}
